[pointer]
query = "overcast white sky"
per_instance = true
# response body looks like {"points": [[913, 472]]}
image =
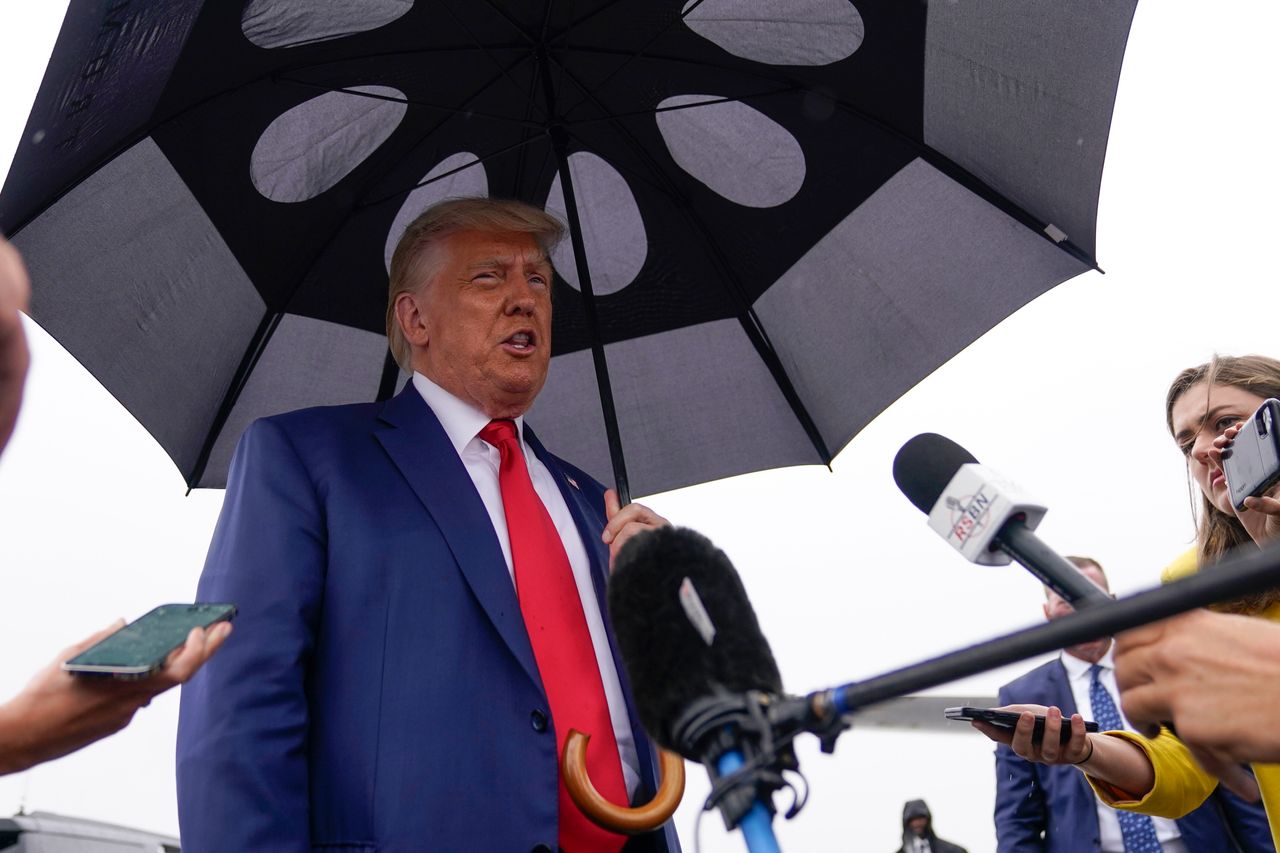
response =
{"points": [[1066, 397]]}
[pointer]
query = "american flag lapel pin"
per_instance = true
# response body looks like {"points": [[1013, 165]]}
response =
{"points": [[573, 482]]}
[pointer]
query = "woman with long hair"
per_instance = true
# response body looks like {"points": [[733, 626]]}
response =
{"points": [[1204, 409]]}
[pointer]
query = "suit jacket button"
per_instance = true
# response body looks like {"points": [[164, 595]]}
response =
{"points": [[540, 848], [539, 721]]}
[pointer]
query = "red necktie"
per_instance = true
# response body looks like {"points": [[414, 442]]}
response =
{"points": [[561, 643]]}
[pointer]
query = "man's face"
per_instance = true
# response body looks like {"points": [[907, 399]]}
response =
{"points": [[917, 826], [1055, 607], [483, 327]]}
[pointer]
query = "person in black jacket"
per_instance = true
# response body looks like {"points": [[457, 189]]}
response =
{"points": [[917, 831]]}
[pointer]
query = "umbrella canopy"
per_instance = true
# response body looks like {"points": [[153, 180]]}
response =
{"points": [[789, 211]]}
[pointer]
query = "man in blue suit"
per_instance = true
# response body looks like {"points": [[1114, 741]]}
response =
{"points": [[1041, 807], [386, 694]]}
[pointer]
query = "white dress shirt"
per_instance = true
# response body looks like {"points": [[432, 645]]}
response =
{"points": [[462, 423], [1080, 678]]}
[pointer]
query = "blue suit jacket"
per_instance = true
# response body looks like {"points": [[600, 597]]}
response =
{"points": [[1051, 808], [379, 692]]}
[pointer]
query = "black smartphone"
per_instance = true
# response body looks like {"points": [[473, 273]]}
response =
{"points": [[1252, 463], [140, 648], [1009, 720]]}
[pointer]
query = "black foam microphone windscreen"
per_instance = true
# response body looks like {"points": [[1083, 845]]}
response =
{"points": [[684, 626], [924, 466]]}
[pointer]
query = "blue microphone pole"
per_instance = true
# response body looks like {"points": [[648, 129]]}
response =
{"points": [[757, 823], [1228, 579], [733, 737]]}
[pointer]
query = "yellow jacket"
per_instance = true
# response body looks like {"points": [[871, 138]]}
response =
{"points": [[1180, 785]]}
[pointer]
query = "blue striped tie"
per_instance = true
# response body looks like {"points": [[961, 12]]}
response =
{"points": [[1137, 830]]}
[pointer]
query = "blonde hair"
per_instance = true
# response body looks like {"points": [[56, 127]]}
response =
{"points": [[411, 263], [1218, 532]]}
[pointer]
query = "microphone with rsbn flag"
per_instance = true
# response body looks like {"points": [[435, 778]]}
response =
{"points": [[984, 516]]}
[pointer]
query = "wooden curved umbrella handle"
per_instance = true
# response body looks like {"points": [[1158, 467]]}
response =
{"points": [[615, 818]]}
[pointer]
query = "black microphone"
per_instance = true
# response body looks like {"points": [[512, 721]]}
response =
{"points": [[699, 666], [984, 516]]}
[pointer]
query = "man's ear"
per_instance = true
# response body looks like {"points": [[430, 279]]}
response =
{"points": [[411, 319], [1045, 608]]}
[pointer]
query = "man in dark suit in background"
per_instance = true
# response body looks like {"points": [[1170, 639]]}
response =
{"points": [[420, 588], [1041, 807]]}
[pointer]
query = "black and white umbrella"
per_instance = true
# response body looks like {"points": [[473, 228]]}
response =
{"points": [[788, 211]]}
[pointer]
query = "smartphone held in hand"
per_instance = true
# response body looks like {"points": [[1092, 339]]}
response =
{"points": [[1252, 463], [141, 647], [1009, 720]]}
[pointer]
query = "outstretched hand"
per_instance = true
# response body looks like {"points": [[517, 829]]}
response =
{"points": [[1050, 749], [1113, 760], [1216, 677], [625, 522], [57, 712]]}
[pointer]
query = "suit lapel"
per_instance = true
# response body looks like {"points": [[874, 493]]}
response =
{"points": [[417, 444], [588, 517]]}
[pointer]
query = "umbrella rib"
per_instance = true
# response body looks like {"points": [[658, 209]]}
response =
{"points": [[483, 48], [742, 69], [546, 22], [480, 159], [410, 102], [572, 25], [631, 55], [559, 142], [676, 107], [531, 101], [746, 314], [512, 21], [547, 168], [431, 132], [257, 345]]}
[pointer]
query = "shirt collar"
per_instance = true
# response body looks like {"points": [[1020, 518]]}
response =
{"points": [[462, 421], [1077, 668]]}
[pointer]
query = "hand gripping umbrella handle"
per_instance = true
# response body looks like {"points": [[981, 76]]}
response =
{"points": [[615, 818]]}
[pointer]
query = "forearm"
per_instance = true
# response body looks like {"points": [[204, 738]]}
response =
{"points": [[54, 715], [14, 751], [1120, 765]]}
